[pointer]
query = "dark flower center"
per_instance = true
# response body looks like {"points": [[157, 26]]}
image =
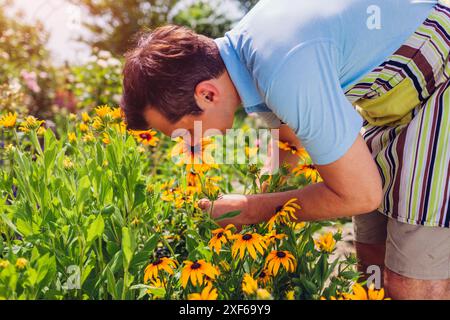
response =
{"points": [[262, 275], [219, 235], [146, 136], [279, 209], [281, 254], [247, 237], [196, 266], [294, 149], [157, 262]]}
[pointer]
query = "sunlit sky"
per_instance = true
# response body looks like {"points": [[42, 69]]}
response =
{"points": [[62, 20]]}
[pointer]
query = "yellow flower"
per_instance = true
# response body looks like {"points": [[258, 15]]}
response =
{"points": [[30, 123], [170, 194], [208, 293], [263, 294], [9, 148], [88, 137], [301, 153], [21, 263], [197, 157], [72, 137], [156, 283], [68, 164], [309, 171], [359, 293], [248, 242], [220, 237], [182, 199], [195, 271], [264, 277], [8, 120], [298, 226], [290, 295], [153, 269], [84, 127], [103, 111], [85, 117], [106, 139], [211, 190], [251, 152], [249, 285], [117, 114], [280, 258], [284, 214], [272, 237], [326, 242], [98, 124], [147, 138], [141, 149], [41, 131], [193, 183], [135, 221], [121, 127], [4, 264], [376, 294]]}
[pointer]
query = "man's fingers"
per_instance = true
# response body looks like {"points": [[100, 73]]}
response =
{"points": [[204, 204]]}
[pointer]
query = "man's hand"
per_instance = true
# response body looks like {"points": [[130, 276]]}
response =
{"points": [[227, 204]]}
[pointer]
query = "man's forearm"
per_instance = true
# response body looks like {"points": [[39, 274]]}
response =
{"points": [[317, 202]]}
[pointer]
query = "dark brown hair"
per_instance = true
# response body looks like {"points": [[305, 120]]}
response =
{"points": [[162, 72]]}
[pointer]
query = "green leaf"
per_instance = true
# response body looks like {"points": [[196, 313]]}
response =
{"points": [[146, 251], [309, 286], [111, 283], [83, 189], [127, 247], [24, 227], [95, 229], [228, 215], [156, 292], [139, 194]]}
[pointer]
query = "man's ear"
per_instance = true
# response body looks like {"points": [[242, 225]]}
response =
{"points": [[206, 93]]}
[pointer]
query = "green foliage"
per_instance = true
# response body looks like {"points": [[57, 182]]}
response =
{"points": [[97, 82], [204, 19], [115, 23], [25, 62]]}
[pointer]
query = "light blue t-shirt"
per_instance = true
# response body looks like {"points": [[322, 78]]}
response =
{"points": [[296, 58]]}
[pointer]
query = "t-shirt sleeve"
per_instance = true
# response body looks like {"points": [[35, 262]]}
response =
{"points": [[306, 94]]}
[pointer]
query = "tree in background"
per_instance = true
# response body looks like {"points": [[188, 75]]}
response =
{"points": [[114, 24]]}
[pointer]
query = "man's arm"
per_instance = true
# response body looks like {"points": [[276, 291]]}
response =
{"points": [[287, 135], [352, 186]]}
